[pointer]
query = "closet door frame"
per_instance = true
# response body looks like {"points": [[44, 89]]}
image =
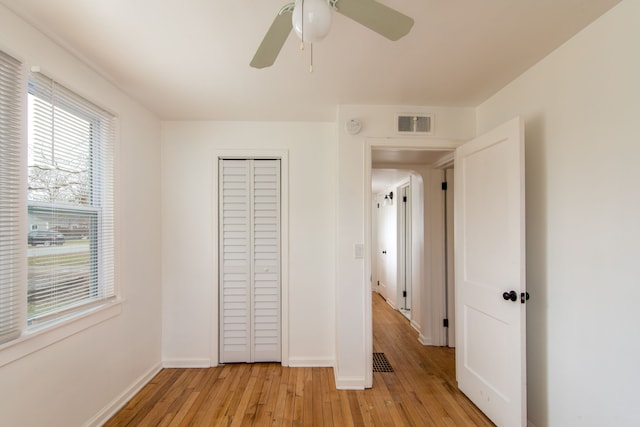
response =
{"points": [[283, 156]]}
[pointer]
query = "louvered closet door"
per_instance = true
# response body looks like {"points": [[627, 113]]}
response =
{"points": [[249, 260]]}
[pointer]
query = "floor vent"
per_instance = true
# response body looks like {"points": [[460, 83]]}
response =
{"points": [[380, 363]]}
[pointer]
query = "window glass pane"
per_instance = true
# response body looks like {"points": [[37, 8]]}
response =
{"points": [[62, 261], [59, 155]]}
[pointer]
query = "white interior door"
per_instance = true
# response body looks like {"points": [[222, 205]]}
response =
{"points": [[250, 308], [490, 264]]}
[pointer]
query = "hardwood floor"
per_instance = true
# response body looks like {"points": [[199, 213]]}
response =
{"points": [[420, 392]]}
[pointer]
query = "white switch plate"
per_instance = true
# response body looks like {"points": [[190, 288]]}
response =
{"points": [[358, 251]]}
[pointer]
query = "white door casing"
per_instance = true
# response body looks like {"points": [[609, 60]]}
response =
{"points": [[404, 249], [449, 264], [249, 265], [489, 262], [381, 243], [418, 241]]}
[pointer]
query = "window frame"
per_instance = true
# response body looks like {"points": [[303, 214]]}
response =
{"points": [[74, 110]]}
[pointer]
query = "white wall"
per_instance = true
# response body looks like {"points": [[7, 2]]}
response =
{"points": [[190, 285], [454, 124], [72, 381], [581, 106]]}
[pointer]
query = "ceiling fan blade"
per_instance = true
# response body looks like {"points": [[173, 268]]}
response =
{"points": [[377, 17], [274, 39]]}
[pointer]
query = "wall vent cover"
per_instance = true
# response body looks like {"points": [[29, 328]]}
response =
{"points": [[414, 124]]}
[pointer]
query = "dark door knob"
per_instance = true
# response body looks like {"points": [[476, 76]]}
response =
{"points": [[513, 296]]}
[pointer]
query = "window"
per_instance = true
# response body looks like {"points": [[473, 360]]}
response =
{"points": [[69, 203], [56, 211]]}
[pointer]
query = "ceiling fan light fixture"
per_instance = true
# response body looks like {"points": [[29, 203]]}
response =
{"points": [[311, 20]]}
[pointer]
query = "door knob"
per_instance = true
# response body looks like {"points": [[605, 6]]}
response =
{"points": [[513, 296]]}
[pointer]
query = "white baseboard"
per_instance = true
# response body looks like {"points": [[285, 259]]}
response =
{"points": [[187, 363], [425, 340], [304, 362], [116, 404], [350, 383], [391, 304], [294, 362], [415, 326]]}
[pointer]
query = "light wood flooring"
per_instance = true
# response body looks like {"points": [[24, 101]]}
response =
{"points": [[420, 392]]}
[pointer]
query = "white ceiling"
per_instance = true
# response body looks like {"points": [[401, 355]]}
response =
{"points": [[381, 179], [189, 59], [391, 166], [392, 157]]}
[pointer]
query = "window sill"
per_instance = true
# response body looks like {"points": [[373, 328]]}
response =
{"points": [[33, 341]]}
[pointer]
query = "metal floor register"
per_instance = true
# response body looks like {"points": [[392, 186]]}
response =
{"points": [[380, 363]]}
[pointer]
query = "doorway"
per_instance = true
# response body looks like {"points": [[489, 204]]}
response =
{"points": [[426, 300], [489, 213], [391, 234]]}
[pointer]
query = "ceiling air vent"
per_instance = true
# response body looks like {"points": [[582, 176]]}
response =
{"points": [[414, 124]]}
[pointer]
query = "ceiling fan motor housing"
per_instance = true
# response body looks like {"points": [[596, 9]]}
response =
{"points": [[311, 20]]}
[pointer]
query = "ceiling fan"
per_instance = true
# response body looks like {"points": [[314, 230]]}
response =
{"points": [[311, 20]]}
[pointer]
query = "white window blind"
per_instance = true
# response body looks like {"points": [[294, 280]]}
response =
{"points": [[70, 202], [10, 198]]}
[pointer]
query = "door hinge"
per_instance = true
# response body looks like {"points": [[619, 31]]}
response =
{"points": [[404, 294], [444, 186], [378, 205], [445, 323], [378, 282], [404, 199], [524, 296]]}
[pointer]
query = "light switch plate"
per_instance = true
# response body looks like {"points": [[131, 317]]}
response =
{"points": [[358, 251]]}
